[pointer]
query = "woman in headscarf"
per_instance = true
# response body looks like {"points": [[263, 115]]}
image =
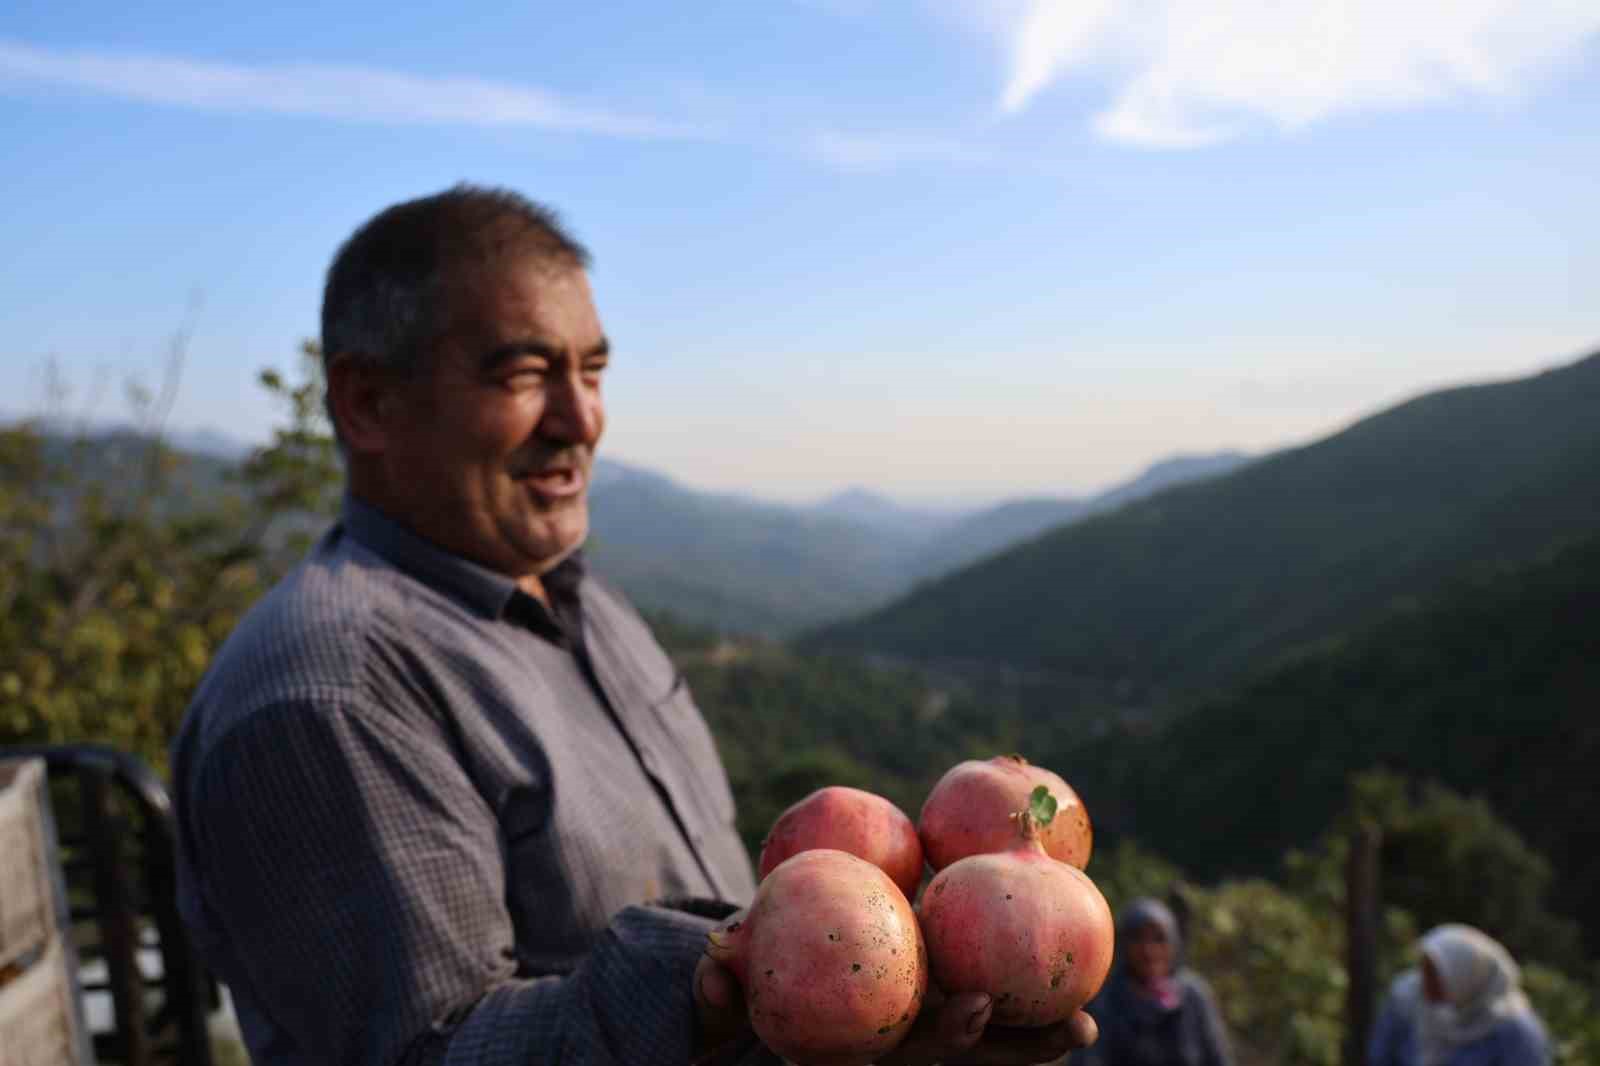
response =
{"points": [[1153, 1011], [1462, 1006]]}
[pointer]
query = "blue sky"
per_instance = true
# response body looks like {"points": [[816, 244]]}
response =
{"points": [[950, 249]]}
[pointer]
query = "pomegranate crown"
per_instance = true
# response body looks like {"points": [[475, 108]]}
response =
{"points": [[1040, 812]]}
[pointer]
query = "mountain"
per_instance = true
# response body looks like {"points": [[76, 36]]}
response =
{"points": [[877, 511], [1490, 686], [728, 561], [989, 531], [211, 442], [1178, 470], [745, 565], [207, 443], [116, 459], [1188, 586], [733, 562]]}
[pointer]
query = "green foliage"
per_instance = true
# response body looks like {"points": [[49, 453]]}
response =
{"points": [[1127, 872], [125, 566], [1571, 1014], [788, 723], [1274, 954], [1446, 857], [1489, 689], [1317, 876], [1276, 965], [295, 481]]}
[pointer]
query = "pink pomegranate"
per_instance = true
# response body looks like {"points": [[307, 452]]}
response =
{"points": [[849, 819], [1034, 933], [969, 812], [830, 958]]}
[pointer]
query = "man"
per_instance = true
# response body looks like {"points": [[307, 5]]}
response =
{"points": [[436, 784]]}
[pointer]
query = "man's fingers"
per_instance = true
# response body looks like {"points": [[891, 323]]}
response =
{"points": [[715, 988], [957, 1025], [1083, 1029], [719, 1003], [955, 1030], [1005, 1046]]}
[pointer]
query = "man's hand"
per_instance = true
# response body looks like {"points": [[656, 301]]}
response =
{"points": [[953, 1031], [956, 1031], [719, 1006]]}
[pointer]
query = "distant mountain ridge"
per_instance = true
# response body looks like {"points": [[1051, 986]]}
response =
{"points": [[1190, 584], [735, 562], [749, 565], [1005, 525], [731, 561], [206, 442], [877, 511]]}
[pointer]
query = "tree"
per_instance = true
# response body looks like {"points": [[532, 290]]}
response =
{"points": [[126, 564], [1446, 857]]}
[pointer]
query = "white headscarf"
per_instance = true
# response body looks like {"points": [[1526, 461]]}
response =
{"points": [[1482, 988]]}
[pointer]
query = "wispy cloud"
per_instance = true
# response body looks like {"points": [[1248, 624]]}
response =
{"points": [[1196, 72], [349, 93], [887, 150]]}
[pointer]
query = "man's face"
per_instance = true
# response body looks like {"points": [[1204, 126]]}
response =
{"points": [[496, 432]]}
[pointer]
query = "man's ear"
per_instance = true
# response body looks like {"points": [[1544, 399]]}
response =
{"points": [[362, 397]]}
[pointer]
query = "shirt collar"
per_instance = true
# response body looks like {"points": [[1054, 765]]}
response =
{"points": [[486, 591]]}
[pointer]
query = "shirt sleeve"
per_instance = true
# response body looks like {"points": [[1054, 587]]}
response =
{"points": [[358, 877]]}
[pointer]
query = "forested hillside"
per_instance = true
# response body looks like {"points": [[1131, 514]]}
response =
{"points": [[1492, 687], [1196, 583], [743, 565], [735, 563]]}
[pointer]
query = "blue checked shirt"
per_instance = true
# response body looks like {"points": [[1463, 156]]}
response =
{"points": [[422, 818]]}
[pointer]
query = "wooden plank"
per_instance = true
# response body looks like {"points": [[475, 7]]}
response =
{"points": [[1361, 942], [119, 923]]}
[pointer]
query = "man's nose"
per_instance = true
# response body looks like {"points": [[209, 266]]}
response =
{"points": [[572, 411]]}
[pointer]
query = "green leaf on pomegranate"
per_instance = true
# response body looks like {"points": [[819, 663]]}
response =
{"points": [[1042, 805]]}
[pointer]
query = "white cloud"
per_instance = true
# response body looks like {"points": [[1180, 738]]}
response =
{"points": [[884, 151], [1194, 72], [336, 92]]}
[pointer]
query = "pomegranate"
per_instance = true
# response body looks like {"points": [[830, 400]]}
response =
{"points": [[849, 819], [969, 811], [1034, 933], [830, 958]]}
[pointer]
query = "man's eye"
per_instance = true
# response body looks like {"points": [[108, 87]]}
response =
{"points": [[527, 373]]}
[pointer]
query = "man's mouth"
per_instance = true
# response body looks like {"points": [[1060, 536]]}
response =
{"points": [[557, 482]]}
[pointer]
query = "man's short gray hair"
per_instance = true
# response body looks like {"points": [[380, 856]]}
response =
{"points": [[387, 292]]}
